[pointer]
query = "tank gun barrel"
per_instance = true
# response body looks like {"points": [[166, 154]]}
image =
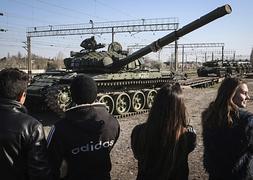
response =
{"points": [[158, 44]]}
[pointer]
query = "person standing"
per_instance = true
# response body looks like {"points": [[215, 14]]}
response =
{"points": [[162, 144], [85, 137], [23, 146], [228, 133]]}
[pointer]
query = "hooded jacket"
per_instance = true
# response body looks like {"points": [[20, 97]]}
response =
{"points": [[23, 153], [84, 140], [228, 152]]}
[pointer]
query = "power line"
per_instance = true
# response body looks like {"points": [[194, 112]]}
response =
{"points": [[122, 12], [45, 9], [72, 10]]}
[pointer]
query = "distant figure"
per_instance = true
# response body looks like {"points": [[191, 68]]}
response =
{"points": [[228, 133], [162, 144], [23, 147], [85, 138], [90, 44]]}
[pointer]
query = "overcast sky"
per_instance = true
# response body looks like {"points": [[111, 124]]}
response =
{"points": [[234, 30]]}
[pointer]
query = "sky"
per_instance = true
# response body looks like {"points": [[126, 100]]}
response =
{"points": [[234, 30]]}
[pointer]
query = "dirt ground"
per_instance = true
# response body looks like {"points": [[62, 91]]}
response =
{"points": [[124, 166]]}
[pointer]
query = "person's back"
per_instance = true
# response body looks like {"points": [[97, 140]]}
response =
{"points": [[186, 144], [23, 153], [84, 140], [162, 144]]}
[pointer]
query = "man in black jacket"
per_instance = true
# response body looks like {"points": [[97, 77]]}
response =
{"points": [[85, 137], [23, 153]]}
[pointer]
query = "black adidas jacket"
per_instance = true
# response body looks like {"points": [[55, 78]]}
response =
{"points": [[84, 140]]}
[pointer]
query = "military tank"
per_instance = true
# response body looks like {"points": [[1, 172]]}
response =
{"points": [[212, 68], [124, 85], [224, 68]]}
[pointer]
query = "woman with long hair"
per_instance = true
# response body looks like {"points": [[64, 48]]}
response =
{"points": [[228, 133], [162, 144]]}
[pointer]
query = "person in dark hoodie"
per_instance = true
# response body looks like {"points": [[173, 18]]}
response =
{"points": [[23, 147], [85, 137], [228, 133]]}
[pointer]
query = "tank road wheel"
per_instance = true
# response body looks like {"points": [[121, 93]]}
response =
{"points": [[150, 97], [108, 101], [138, 100], [122, 103], [58, 98]]}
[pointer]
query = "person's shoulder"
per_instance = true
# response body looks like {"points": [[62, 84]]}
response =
{"points": [[245, 114], [62, 125], [29, 119], [137, 139], [30, 126], [246, 117], [101, 110], [102, 114], [138, 128]]}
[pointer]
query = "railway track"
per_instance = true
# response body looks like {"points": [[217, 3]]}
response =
{"points": [[200, 82]]}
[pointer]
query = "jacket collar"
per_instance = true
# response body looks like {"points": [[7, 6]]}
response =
{"points": [[12, 104], [85, 105]]}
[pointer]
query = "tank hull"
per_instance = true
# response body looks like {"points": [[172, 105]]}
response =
{"points": [[121, 92]]}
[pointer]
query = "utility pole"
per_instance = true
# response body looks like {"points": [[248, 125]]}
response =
{"points": [[183, 58], [29, 62], [28, 59], [222, 54], [176, 56], [113, 34]]}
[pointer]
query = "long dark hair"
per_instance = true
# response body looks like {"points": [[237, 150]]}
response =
{"points": [[166, 123], [219, 113]]}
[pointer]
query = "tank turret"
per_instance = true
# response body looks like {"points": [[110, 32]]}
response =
{"points": [[123, 85], [90, 59]]}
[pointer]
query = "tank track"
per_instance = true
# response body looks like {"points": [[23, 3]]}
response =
{"points": [[131, 114], [119, 101], [198, 82]]}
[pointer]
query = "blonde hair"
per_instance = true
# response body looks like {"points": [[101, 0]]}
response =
{"points": [[219, 113]]}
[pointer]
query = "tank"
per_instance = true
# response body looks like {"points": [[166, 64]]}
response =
{"points": [[242, 67], [224, 68], [212, 68], [124, 85]]}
